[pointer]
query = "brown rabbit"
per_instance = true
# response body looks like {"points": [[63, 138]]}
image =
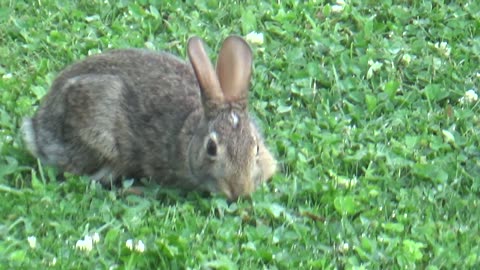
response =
{"points": [[137, 113]]}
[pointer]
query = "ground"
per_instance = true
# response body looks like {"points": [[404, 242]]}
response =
{"points": [[370, 107]]}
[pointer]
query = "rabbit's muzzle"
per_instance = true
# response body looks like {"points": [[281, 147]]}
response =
{"points": [[236, 187]]}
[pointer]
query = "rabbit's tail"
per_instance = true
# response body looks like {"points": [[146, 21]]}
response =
{"points": [[49, 153], [29, 137]]}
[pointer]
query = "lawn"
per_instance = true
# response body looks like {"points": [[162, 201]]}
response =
{"points": [[370, 107]]}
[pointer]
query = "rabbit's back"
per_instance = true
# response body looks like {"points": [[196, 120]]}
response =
{"points": [[145, 71]]}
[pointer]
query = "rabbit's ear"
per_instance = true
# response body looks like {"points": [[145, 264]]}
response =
{"points": [[234, 68], [212, 95]]}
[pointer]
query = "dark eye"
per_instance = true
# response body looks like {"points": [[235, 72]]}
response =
{"points": [[258, 150], [211, 148]]}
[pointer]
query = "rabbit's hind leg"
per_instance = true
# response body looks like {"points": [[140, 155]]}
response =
{"points": [[93, 120]]}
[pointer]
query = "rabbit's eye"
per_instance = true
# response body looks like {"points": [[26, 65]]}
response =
{"points": [[211, 148]]}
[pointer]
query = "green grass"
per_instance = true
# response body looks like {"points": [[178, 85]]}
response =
{"points": [[380, 160]]}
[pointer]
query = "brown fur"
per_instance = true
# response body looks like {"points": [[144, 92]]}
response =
{"points": [[137, 113]]}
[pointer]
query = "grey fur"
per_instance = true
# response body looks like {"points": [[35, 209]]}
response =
{"points": [[137, 113]]}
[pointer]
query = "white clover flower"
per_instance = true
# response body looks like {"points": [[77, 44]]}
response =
{"points": [[443, 48], [32, 241], [140, 246], [85, 244], [374, 67], [448, 136], [95, 238], [347, 182], [337, 8], [53, 262], [255, 38], [137, 246], [469, 97], [88, 238], [80, 244], [129, 244], [406, 59], [343, 247]]}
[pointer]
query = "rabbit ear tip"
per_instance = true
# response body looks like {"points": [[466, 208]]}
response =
{"points": [[238, 40], [193, 39], [194, 42]]}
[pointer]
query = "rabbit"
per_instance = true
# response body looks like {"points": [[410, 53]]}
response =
{"points": [[134, 113]]}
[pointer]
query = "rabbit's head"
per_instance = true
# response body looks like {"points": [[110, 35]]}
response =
{"points": [[227, 154]]}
